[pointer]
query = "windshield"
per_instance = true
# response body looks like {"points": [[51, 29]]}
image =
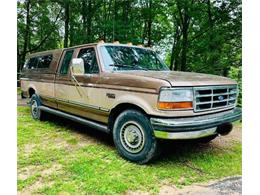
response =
{"points": [[131, 58]]}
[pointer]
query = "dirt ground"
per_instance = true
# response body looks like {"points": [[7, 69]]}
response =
{"points": [[20, 101], [226, 186]]}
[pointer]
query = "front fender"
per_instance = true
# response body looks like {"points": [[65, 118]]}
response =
{"points": [[145, 102]]}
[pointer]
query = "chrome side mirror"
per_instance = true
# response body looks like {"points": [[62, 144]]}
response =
{"points": [[77, 66]]}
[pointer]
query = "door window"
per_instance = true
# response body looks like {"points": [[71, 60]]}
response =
{"points": [[66, 62], [90, 61]]}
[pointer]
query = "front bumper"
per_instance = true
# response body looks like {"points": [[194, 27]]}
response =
{"points": [[193, 127]]}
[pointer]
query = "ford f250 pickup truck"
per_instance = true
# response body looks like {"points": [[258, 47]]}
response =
{"points": [[129, 92]]}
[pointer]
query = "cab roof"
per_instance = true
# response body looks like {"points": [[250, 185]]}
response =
{"points": [[85, 45]]}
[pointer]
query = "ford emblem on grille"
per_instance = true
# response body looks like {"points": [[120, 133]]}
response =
{"points": [[220, 98]]}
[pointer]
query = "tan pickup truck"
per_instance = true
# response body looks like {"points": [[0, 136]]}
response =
{"points": [[129, 92]]}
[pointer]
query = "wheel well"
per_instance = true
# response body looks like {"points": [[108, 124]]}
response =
{"points": [[119, 109], [31, 92]]}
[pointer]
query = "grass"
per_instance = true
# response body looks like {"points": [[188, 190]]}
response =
{"points": [[19, 91], [58, 156]]}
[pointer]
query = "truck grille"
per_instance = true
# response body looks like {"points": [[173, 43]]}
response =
{"points": [[214, 97]]}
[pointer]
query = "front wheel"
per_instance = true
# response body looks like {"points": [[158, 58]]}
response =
{"points": [[133, 137]]}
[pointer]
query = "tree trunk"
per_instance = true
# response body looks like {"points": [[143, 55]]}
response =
{"points": [[115, 35], [103, 35], [184, 46], [149, 25], [175, 47], [109, 33], [84, 20], [26, 35], [126, 8], [185, 23], [211, 41], [66, 24], [89, 21], [172, 56], [210, 21], [144, 32]]}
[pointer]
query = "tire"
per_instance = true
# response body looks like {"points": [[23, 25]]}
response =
{"points": [[36, 113], [206, 139], [134, 138]]}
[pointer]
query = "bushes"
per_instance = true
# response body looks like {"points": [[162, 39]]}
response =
{"points": [[236, 74]]}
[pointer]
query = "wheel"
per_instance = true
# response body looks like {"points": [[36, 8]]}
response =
{"points": [[133, 137], [35, 111], [206, 139]]}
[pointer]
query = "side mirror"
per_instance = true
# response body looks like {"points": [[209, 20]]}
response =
{"points": [[77, 66]]}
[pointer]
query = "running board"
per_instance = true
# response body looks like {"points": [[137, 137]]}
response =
{"points": [[83, 121]]}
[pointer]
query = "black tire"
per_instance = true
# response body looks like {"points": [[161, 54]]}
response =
{"points": [[207, 139], [36, 113], [134, 138]]}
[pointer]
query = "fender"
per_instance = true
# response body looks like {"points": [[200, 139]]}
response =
{"points": [[135, 100], [31, 85]]}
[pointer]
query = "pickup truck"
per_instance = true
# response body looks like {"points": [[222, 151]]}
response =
{"points": [[129, 92]]}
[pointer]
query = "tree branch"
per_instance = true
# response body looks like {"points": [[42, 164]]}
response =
{"points": [[46, 37]]}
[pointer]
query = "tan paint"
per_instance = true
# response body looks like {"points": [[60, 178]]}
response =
{"points": [[140, 88], [177, 79], [41, 88]]}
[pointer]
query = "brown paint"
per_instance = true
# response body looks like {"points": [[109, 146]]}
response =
{"points": [[140, 88]]}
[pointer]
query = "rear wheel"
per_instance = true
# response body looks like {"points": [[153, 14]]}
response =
{"points": [[134, 138], [35, 111]]}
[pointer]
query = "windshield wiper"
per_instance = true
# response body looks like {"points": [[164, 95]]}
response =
{"points": [[120, 65], [128, 66]]}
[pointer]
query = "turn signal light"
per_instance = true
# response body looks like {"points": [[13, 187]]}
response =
{"points": [[174, 105]]}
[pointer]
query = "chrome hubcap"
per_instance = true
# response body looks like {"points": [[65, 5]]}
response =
{"points": [[34, 108], [132, 137]]}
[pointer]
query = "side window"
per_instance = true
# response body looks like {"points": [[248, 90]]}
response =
{"points": [[45, 61], [32, 63], [66, 62], [90, 61]]}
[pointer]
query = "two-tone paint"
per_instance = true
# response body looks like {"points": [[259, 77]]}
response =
{"points": [[99, 94]]}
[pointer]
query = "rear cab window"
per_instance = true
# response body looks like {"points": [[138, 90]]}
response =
{"points": [[44, 61], [38, 62]]}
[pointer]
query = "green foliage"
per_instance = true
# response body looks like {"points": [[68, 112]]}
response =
{"points": [[236, 74], [199, 36]]}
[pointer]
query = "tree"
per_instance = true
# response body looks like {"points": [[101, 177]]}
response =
{"points": [[201, 36]]}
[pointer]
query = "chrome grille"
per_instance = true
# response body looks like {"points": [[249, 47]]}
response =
{"points": [[214, 97]]}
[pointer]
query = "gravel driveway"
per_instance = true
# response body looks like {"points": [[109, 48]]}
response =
{"points": [[227, 186]]}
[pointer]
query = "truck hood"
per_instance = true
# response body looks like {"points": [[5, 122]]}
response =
{"points": [[176, 78]]}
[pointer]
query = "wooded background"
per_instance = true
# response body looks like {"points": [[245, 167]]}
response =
{"points": [[191, 35]]}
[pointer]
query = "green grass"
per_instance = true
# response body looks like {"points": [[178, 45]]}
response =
{"points": [[89, 164], [19, 91]]}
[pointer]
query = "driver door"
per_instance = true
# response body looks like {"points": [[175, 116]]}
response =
{"points": [[78, 97]]}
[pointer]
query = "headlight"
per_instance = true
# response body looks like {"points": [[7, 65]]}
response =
{"points": [[175, 99]]}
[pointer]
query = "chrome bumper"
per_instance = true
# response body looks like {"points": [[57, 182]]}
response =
{"points": [[193, 127]]}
